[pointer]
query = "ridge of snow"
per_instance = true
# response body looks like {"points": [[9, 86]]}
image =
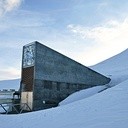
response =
{"points": [[115, 67], [82, 94], [113, 64]]}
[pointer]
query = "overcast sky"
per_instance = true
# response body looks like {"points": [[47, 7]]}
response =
{"points": [[88, 31]]}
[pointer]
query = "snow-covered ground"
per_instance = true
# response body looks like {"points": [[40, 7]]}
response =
{"points": [[86, 108], [82, 94]]}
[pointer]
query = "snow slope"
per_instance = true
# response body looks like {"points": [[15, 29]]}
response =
{"points": [[115, 67], [82, 94], [114, 64], [107, 109]]}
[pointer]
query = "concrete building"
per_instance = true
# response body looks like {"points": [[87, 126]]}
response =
{"points": [[49, 77]]}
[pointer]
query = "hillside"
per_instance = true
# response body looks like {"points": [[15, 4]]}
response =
{"points": [[107, 109], [10, 84], [115, 67], [116, 63]]}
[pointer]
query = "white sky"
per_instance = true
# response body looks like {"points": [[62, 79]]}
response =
{"points": [[87, 31]]}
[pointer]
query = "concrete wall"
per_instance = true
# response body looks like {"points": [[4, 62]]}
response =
{"points": [[53, 66], [57, 76], [53, 92]]}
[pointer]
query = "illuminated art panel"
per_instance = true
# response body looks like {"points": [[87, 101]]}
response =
{"points": [[29, 55]]}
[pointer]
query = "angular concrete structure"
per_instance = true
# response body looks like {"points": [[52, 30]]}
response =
{"points": [[49, 77]]}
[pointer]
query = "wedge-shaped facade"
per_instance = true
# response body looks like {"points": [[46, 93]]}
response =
{"points": [[49, 77]]}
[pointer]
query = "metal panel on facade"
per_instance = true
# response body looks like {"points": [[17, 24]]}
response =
{"points": [[27, 78], [27, 97]]}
